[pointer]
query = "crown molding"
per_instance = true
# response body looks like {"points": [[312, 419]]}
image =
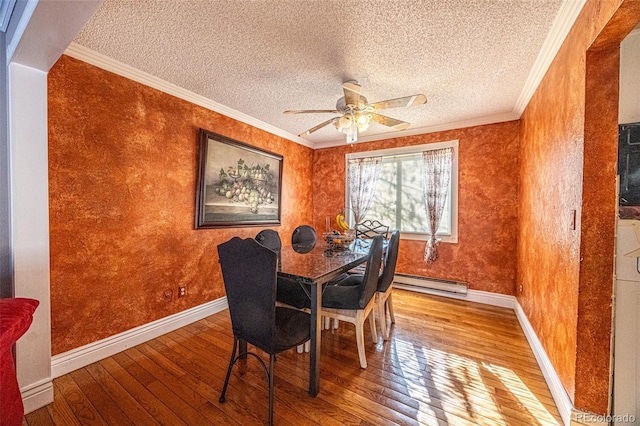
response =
{"points": [[563, 23], [477, 121], [101, 61]]}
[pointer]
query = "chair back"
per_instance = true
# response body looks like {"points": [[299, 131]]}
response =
{"points": [[270, 239], [304, 235], [371, 273], [370, 228], [249, 271], [390, 260]]}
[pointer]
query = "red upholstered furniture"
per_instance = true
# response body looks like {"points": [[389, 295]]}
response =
{"points": [[16, 315]]}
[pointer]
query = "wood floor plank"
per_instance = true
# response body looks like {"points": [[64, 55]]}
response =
{"points": [[293, 413], [164, 363], [203, 354], [106, 407], [188, 394], [78, 402], [129, 405], [448, 363], [209, 385], [153, 405], [40, 417], [60, 411]]}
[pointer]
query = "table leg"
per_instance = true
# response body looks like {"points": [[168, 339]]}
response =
{"points": [[314, 354]]}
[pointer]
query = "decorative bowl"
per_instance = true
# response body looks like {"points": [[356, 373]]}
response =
{"points": [[338, 241]]}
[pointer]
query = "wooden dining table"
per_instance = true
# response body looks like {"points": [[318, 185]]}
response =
{"points": [[313, 267]]}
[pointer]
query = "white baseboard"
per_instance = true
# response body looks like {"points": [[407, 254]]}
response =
{"points": [[77, 358], [560, 396], [37, 395], [477, 296]]}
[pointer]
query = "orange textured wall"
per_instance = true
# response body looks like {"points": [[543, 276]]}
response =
{"points": [[122, 169], [568, 156], [485, 255]]}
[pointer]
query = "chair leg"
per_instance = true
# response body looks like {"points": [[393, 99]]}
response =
{"points": [[372, 325], [271, 396], [226, 380], [359, 323], [382, 315], [390, 303], [307, 346], [300, 348]]}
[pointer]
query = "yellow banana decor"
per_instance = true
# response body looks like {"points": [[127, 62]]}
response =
{"points": [[341, 222]]}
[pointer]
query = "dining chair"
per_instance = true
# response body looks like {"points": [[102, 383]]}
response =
{"points": [[249, 271], [270, 239], [352, 299], [304, 235], [385, 284], [365, 231], [368, 229], [289, 292]]}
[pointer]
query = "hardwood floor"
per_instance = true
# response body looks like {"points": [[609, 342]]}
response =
{"points": [[447, 362]]}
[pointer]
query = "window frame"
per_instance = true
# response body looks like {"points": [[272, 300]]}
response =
{"points": [[414, 149]]}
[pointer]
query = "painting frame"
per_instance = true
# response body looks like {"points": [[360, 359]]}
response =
{"points": [[237, 185]]}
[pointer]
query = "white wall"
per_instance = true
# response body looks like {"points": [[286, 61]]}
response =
{"points": [[30, 226], [630, 79], [39, 36]]}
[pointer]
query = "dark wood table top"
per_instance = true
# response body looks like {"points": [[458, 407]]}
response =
{"points": [[318, 264]]}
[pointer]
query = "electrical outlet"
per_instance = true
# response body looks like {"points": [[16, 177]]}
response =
{"points": [[521, 289], [167, 295], [182, 291]]}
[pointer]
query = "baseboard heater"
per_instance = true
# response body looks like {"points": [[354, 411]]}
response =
{"points": [[430, 283]]}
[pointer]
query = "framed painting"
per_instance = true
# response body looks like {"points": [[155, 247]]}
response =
{"points": [[238, 185]]}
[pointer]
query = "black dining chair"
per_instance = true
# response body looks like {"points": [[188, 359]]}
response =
{"points": [[368, 229], [249, 271], [365, 231], [304, 235], [352, 299], [385, 284], [270, 239], [289, 293]]}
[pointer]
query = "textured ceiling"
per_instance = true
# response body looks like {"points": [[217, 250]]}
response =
{"points": [[471, 58]]}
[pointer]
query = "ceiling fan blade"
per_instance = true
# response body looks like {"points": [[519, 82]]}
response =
{"points": [[351, 91], [318, 127], [406, 101], [389, 122], [312, 111]]}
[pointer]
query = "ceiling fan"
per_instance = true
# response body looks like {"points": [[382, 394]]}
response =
{"points": [[356, 113]]}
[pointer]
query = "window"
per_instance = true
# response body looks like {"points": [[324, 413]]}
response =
{"points": [[398, 196]]}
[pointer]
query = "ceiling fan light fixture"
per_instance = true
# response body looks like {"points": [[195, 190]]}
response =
{"points": [[357, 113], [344, 123], [363, 121], [351, 124]]}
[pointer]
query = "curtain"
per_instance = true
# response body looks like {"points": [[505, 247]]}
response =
{"points": [[436, 175], [363, 175]]}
